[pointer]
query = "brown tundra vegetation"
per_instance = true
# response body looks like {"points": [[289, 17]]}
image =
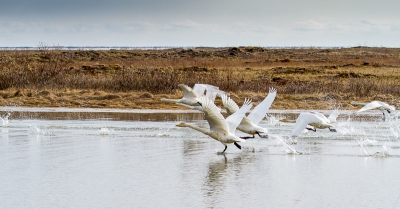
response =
{"points": [[306, 78]]}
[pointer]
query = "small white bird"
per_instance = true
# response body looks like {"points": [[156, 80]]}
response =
{"points": [[192, 96], [310, 121], [375, 105], [250, 123], [221, 129]]}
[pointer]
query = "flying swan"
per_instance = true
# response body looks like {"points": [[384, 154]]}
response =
{"points": [[250, 123], [221, 129], [192, 96], [375, 105], [311, 121]]}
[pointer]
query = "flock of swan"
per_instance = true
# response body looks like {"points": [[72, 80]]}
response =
{"points": [[202, 97]]}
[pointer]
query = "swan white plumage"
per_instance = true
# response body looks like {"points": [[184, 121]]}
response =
{"points": [[192, 96], [250, 123], [310, 121], [382, 106], [199, 108], [221, 129]]}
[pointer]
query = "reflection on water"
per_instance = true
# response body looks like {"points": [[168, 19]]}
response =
{"points": [[142, 160]]}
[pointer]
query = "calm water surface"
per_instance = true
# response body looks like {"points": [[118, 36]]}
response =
{"points": [[63, 158]]}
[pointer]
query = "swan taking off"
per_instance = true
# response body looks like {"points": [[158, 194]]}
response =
{"points": [[192, 96], [375, 105], [250, 123], [310, 121], [221, 129]]}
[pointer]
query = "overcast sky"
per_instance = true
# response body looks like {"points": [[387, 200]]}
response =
{"points": [[215, 23]]}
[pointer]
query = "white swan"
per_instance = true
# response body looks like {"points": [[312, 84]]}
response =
{"points": [[250, 123], [310, 121], [375, 105], [221, 129], [199, 108], [192, 96]]}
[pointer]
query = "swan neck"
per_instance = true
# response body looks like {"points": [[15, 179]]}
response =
{"points": [[202, 130], [358, 103], [169, 100]]}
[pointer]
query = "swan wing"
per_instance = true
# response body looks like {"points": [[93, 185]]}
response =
{"points": [[258, 113], [321, 117], [303, 120], [230, 105], [213, 116], [188, 92], [235, 119], [370, 106], [199, 89], [211, 91], [332, 117]]}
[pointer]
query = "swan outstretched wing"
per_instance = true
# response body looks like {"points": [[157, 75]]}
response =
{"points": [[303, 120], [258, 113], [321, 117], [199, 89], [235, 119], [332, 117], [213, 116], [188, 92], [211, 91], [230, 105]]}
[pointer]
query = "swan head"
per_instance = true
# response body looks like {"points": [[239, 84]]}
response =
{"points": [[182, 125]]}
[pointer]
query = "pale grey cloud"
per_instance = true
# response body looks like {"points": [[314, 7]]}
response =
{"points": [[193, 22]]}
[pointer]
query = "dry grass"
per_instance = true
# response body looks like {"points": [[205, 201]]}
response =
{"points": [[305, 78]]}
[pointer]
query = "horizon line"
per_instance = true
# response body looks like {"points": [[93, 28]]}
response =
{"points": [[176, 47]]}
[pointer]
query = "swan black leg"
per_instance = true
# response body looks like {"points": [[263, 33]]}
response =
{"points": [[312, 129], [262, 136], [332, 130], [237, 145], [224, 149], [247, 137]]}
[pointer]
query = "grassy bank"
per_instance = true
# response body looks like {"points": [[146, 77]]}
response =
{"points": [[305, 78]]}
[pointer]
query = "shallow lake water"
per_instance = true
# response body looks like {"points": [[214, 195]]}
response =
{"points": [[88, 158]]}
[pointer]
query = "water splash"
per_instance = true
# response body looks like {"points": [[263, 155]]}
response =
{"points": [[163, 131], [385, 151], [105, 131], [4, 119], [36, 130], [271, 120], [289, 145]]}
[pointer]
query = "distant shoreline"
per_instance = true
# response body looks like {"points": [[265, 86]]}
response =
{"points": [[164, 47]]}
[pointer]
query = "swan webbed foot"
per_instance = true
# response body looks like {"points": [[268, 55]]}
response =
{"points": [[332, 130], [237, 145]]}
